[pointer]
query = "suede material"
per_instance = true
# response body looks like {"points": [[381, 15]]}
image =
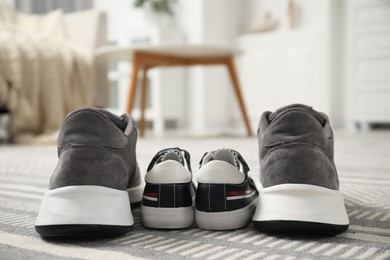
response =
{"points": [[135, 177], [81, 128], [96, 147], [298, 163], [129, 155], [83, 165], [296, 146], [294, 123], [292, 107]]}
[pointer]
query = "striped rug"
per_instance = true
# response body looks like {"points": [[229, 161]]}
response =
{"points": [[363, 161]]}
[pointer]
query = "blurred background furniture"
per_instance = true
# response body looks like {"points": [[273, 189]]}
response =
{"points": [[88, 28], [60, 45], [148, 57], [161, 113]]}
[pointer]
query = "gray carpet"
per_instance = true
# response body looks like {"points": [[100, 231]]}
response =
{"points": [[363, 162]]}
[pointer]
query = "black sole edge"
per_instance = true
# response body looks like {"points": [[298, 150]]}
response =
{"points": [[299, 227], [82, 230], [135, 205]]}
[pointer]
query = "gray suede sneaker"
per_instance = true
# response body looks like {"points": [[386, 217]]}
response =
{"points": [[96, 178], [300, 187]]}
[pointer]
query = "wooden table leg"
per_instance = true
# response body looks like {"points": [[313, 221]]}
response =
{"points": [[236, 86], [133, 84], [143, 100]]}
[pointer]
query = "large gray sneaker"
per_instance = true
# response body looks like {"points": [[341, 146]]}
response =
{"points": [[96, 178], [300, 187]]}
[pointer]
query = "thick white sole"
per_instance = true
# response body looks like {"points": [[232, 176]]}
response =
{"points": [[135, 194], [85, 205], [225, 220], [167, 218], [301, 203]]}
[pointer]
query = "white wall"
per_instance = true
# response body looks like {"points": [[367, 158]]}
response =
{"points": [[10, 2], [123, 19]]}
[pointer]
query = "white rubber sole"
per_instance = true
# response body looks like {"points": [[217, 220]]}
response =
{"points": [[85, 205], [135, 194], [225, 220], [301, 203], [167, 218]]}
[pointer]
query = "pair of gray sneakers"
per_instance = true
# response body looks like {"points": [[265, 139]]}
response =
{"points": [[97, 179]]}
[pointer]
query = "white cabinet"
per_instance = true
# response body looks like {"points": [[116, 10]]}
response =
{"points": [[368, 61], [277, 69]]}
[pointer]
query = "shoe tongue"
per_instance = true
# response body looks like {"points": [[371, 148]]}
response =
{"points": [[170, 154], [222, 155], [301, 107], [175, 154]]}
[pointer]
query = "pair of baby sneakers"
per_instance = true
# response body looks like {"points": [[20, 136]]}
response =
{"points": [[223, 197]]}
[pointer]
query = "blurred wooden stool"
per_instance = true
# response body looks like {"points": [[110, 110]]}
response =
{"points": [[146, 58]]}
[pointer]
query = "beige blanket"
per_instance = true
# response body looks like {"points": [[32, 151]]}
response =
{"points": [[43, 76]]}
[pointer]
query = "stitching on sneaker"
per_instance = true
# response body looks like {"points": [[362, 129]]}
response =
{"points": [[159, 195], [224, 193], [209, 198], [236, 161], [174, 196]]}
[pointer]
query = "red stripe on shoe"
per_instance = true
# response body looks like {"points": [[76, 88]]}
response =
{"points": [[150, 194], [236, 193]]}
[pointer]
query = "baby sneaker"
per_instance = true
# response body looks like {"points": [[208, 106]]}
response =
{"points": [[226, 196], [168, 198]]}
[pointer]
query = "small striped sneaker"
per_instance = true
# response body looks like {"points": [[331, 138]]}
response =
{"points": [[168, 198], [226, 197]]}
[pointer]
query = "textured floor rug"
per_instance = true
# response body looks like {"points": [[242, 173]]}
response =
{"points": [[363, 163]]}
